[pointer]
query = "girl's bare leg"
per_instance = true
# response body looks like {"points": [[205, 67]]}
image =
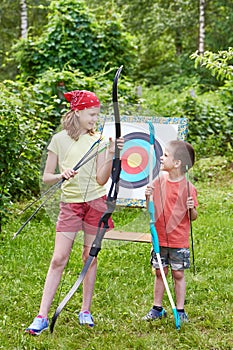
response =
{"points": [[89, 280], [63, 245]]}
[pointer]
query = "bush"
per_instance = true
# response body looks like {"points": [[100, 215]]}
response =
{"points": [[212, 169], [24, 130], [72, 40]]}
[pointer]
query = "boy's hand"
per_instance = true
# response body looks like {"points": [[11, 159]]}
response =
{"points": [[190, 203], [148, 191]]}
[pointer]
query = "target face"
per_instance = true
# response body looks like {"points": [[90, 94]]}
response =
{"points": [[135, 160]]}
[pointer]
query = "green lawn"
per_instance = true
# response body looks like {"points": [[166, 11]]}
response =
{"points": [[124, 286]]}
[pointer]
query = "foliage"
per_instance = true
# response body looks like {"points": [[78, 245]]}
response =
{"points": [[23, 134], [55, 82], [209, 114], [166, 34], [10, 30], [161, 29], [124, 286], [72, 40], [219, 63], [7, 35], [214, 121], [218, 22], [209, 127]]}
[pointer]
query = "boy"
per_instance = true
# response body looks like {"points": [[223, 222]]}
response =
{"points": [[175, 203]]}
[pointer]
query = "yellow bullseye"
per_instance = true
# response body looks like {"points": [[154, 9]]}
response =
{"points": [[134, 160]]}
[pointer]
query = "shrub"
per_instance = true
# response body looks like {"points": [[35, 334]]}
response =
{"points": [[73, 39], [23, 133]]}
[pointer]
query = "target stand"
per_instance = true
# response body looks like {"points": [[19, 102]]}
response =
{"points": [[135, 161], [128, 236]]}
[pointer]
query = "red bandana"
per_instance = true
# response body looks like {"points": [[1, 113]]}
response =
{"points": [[81, 99]]}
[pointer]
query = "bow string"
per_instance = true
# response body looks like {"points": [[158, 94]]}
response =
{"points": [[190, 222]]}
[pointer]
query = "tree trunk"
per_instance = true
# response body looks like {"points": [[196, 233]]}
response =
{"points": [[24, 18], [201, 27]]}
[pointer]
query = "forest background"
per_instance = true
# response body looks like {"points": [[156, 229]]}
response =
{"points": [[178, 62]]}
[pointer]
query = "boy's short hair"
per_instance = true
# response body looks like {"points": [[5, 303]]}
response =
{"points": [[184, 152]]}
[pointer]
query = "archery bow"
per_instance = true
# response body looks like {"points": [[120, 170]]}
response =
{"points": [[154, 234], [111, 204]]}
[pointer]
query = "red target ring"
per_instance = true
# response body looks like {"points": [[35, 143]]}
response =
{"points": [[134, 160]]}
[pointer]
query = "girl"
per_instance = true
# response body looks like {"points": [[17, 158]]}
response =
{"points": [[82, 200]]}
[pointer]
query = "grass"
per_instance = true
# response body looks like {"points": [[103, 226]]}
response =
{"points": [[124, 286]]}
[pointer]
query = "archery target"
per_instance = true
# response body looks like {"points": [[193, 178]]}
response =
{"points": [[135, 155], [135, 160]]}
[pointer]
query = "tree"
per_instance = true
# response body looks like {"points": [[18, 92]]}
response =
{"points": [[167, 34], [10, 29], [169, 31], [201, 26], [24, 18]]}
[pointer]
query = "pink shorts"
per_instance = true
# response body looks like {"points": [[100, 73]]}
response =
{"points": [[74, 217]]}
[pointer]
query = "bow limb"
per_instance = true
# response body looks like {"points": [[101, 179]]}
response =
{"points": [[154, 234], [111, 204], [115, 174]]}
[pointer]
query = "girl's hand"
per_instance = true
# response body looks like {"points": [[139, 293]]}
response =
{"points": [[68, 173], [190, 203], [120, 144]]}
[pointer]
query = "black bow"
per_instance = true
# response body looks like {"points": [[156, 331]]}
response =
{"points": [[111, 205]]}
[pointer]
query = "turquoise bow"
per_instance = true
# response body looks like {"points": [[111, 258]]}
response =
{"points": [[154, 234]]}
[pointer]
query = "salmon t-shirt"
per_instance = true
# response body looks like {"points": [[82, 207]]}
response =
{"points": [[171, 214]]}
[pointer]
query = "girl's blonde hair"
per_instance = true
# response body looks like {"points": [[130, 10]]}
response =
{"points": [[70, 123]]}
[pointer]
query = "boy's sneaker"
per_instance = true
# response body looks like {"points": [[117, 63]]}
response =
{"points": [[183, 317], [154, 314], [85, 318], [38, 325]]}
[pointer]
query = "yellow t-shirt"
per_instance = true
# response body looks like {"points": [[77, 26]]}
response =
{"points": [[83, 187]]}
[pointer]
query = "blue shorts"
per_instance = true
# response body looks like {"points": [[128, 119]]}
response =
{"points": [[177, 258]]}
